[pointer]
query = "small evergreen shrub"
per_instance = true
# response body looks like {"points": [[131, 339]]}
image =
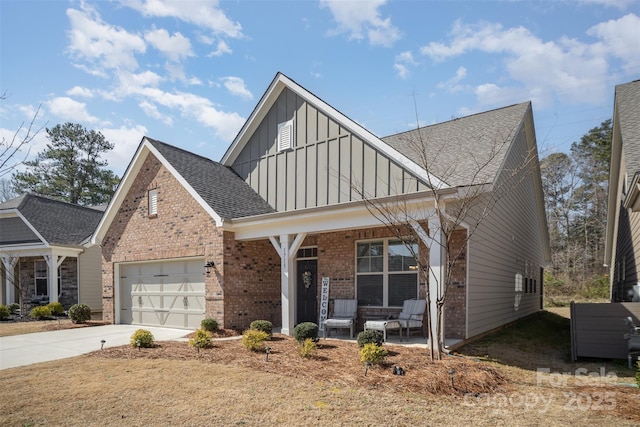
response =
{"points": [[305, 330], [201, 339], [56, 308], [307, 348], [79, 313], [4, 312], [254, 340], [145, 337], [14, 307], [40, 312], [373, 354], [262, 325], [209, 324], [370, 336]]}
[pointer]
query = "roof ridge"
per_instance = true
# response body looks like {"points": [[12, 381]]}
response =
{"points": [[191, 153], [456, 119]]}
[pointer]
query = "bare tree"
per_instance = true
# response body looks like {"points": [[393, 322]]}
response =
{"points": [[464, 184], [11, 263], [12, 152]]}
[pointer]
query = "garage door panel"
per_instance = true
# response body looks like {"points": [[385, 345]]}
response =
{"points": [[168, 293]]}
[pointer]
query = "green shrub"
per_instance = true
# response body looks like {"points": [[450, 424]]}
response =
{"points": [[305, 330], [254, 340], [14, 307], [201, 339], [56, 308], [144, 337], [40, 312], [4, 312], [373, 354], [209, 324], [370, 336], [79, 313], [307, 348], [262, 325]]}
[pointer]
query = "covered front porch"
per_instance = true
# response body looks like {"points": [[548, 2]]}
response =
{"points": [[33, 276], [344, 252]]}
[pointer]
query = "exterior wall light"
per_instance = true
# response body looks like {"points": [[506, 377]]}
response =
{"points": [[210, 265]]}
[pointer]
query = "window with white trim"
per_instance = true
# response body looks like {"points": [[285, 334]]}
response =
{"points": [[285, 135], [41, 278], [153, 202], [386, 273]]}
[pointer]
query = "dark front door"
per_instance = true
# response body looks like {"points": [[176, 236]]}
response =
{"points": [[307, 298]]}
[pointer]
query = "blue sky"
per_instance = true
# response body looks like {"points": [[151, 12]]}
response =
{"points": [[189, 73]]}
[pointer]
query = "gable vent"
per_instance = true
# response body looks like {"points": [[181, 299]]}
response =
{"points": [[285, 136]]}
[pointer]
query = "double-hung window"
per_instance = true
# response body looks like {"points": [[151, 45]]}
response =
{"points": [[41, 278], [386, 273]]}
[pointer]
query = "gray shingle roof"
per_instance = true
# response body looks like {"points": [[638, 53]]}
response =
{"points": [[455, 151], [218, 185], [627, 107], [57, 222]]}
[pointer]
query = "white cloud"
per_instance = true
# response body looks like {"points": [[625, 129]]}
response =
{"points": [[70, 110], [237, 87], [453, 84], [621, 38], [362, 20], [80, 91], [175, 47], [205, 14], [152, 111], [403, 60], [102, 45], [222, 48], [543, 70]]}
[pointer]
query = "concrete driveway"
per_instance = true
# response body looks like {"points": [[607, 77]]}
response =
{"points": [[20, 350]]}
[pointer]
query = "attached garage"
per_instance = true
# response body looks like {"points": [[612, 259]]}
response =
{"points": [[168, 293]]}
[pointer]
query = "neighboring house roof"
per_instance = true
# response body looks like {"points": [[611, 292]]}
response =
{"points": [[625, 158], [465, 151], [58, 223], [233, 199]]}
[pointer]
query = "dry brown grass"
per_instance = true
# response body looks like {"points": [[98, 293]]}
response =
{"points": [[229, 385]]}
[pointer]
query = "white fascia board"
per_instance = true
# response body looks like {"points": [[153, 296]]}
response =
{"points": [[127, 181], [323, 219], [280, 82], [34, 251], [615, 192]]}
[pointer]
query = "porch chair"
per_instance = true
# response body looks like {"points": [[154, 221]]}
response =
{"points": [[633, 339], [412, 314], [344, 316]]}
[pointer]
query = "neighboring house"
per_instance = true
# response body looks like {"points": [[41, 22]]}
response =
{"points": [[185, 237], [622, 248], [45, 253]]}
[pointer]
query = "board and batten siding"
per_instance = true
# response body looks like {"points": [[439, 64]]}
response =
{"points": [[498, 250], [90, 278], [326, 165]]}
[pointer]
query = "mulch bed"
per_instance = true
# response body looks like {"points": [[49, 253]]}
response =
{"points": [[337, 361]]}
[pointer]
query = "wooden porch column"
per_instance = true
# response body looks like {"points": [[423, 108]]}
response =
{"points": [[437, 257], [53, 262], [287, 252], [9, 263]]}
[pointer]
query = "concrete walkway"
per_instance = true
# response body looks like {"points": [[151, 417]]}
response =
{"points": [[26, 349]]}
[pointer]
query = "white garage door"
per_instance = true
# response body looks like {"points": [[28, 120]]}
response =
{"points": [[166, 293]]}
